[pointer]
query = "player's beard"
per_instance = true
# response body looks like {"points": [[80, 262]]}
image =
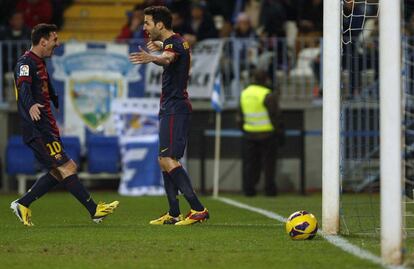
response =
{"points": [[49, 53], [154, 36]]}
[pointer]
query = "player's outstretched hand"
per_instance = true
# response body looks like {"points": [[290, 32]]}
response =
{"points": [[141, 57], [34, 112], [154, 46]]}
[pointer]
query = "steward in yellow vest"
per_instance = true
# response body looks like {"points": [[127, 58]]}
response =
{"points": [[256, 118], [261, 125]]}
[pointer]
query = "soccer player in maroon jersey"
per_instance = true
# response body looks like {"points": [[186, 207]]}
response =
{"points": [[174, 114], [40, 132]]}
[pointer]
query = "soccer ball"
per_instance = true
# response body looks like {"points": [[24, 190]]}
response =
{"points": [[301, 225]]}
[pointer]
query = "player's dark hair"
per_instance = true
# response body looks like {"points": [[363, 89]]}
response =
{"points": [[160, 14], [42, 30]]}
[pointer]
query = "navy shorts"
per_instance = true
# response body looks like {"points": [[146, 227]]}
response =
{"points": [[49, 152], [173, 135]]}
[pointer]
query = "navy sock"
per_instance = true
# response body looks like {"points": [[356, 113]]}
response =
{"points": [[172, 191], [42, 185], [77, 189], [182, 181]]}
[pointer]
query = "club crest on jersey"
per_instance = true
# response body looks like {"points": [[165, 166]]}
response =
{"points": [[169, 46], [24, 70]]}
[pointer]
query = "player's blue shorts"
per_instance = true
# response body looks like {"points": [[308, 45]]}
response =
{"points": [[49, 152], [173, 135]]}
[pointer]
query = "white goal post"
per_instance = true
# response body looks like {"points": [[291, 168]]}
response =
{"points": [[332, 16], [390, 130], [390, 125]]}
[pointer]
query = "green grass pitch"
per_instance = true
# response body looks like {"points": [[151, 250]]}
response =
{"points": [[65, 237]]}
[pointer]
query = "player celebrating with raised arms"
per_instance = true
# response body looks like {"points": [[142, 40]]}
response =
{"points": [[175, 112], [34, 92]]}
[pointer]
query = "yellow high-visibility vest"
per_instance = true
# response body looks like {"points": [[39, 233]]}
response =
{"points": [[256, 117]]}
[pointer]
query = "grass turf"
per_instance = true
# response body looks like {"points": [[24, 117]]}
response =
{"points": [[65, 237]]}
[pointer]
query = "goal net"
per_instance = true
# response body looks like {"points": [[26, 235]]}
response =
{"points": [[359, 140]]}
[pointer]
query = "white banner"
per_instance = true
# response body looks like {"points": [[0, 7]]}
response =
{"points": [[136, 121], [204, 63]]}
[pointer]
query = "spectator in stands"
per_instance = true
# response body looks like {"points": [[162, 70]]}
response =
{"points": [[201, 23], [222, 8], [134, 28], [6, 6], [223, 15], [262, 128], [180, 25], [273, 18], [310, 17], [14, 32], [35, 11], [245, 48], [182, 6], [243, 27], [253, 9], [310, 23]]}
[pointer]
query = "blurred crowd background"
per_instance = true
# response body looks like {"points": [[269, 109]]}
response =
{"points": [[287, 26]]}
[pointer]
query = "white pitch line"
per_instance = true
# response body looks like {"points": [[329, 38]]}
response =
{"points": [[333, 239]]}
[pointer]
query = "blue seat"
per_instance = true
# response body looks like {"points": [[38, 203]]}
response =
{"points": [[72, 148], [19, 157], [103, 154]]}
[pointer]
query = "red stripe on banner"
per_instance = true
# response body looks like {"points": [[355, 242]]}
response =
{"points": [[171, 133]]}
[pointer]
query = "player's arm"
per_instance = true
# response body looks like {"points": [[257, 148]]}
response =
{"points": [[143, 57], [24, 93], [25, 96], [154, 46]]}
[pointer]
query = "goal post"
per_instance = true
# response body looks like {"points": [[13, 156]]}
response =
{"points": [[391, 131], [391, 163], [331, 115]]}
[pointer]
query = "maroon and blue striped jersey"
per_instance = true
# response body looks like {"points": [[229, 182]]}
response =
{"points": [[33, 86], [174, 95]]}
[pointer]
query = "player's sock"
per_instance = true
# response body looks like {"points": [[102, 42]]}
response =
{"points": [[39, 188], [182, 181], [77, 189], [172, 191]]}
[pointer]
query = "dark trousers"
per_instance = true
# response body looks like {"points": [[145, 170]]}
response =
{"points": [[259, 155]]}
